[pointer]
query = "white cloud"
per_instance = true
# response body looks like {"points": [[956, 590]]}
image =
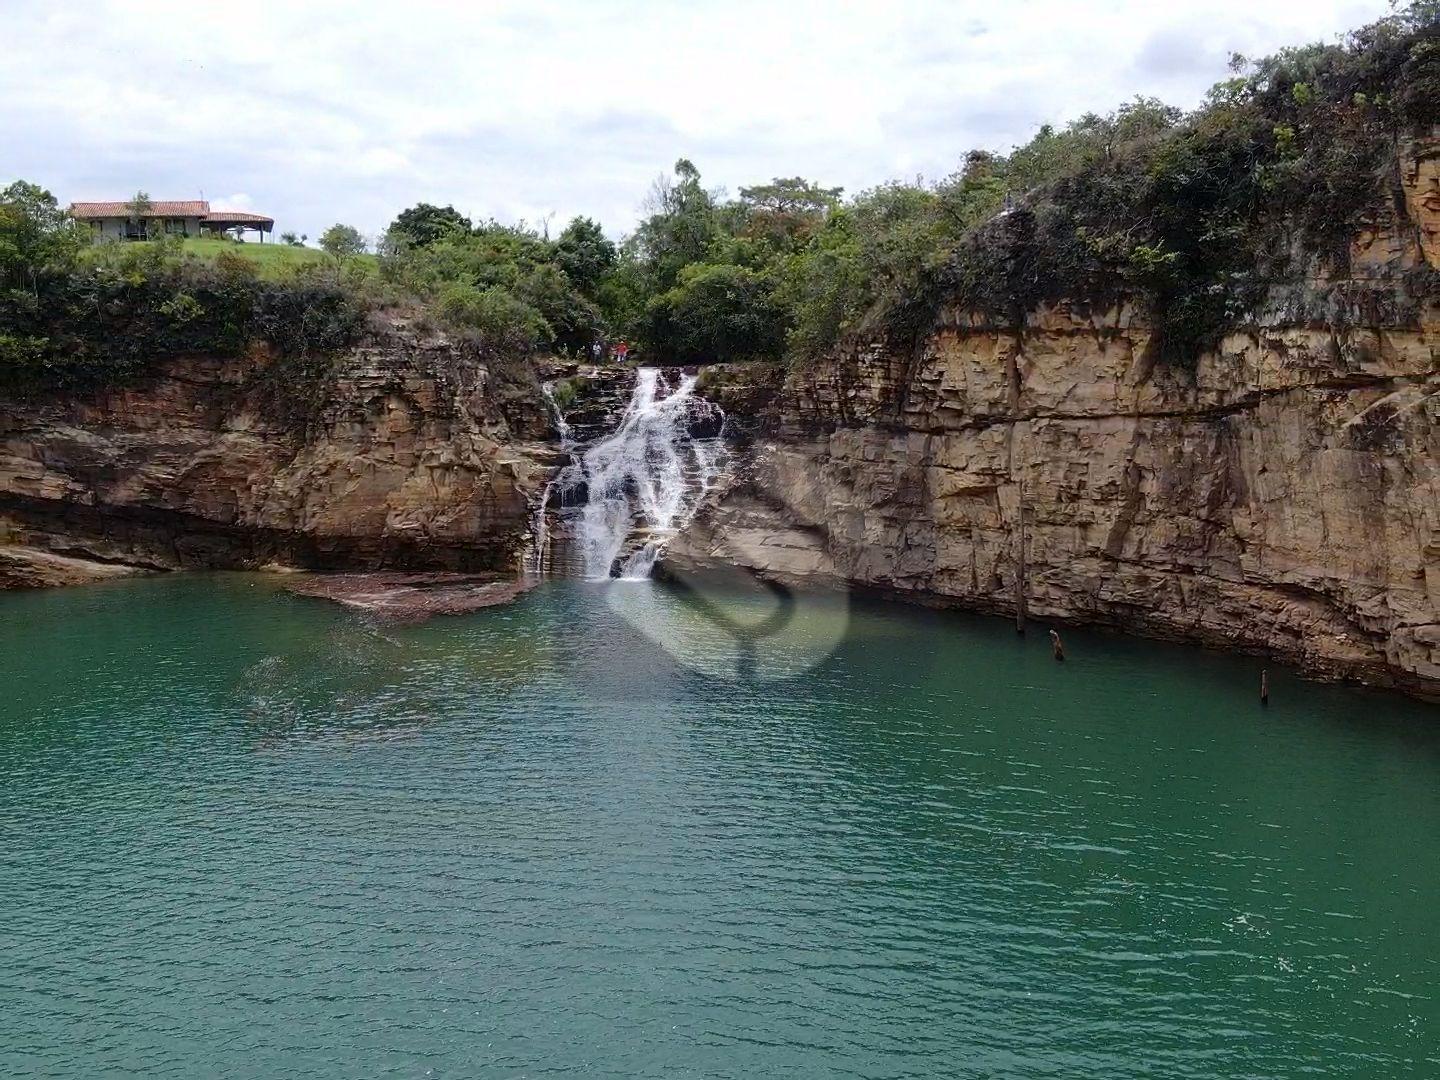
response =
{"points": [[237, 201], [326, 111]]}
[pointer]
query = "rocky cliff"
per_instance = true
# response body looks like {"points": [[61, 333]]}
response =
{"points": [[1283, 497], [1280, 496], [404, 453]]}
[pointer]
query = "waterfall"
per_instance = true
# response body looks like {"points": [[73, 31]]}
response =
{"points": [[540, 526], [642, 483], [562, 426]]}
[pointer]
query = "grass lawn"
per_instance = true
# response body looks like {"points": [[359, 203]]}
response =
{"points": [[272, 260]]}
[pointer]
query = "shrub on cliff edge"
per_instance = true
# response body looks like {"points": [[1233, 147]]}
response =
{"points": [[82, 327], [1198, 218]]}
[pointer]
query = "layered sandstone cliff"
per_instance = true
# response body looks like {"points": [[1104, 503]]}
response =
{"points": [[404, 453], [1282, 497]]}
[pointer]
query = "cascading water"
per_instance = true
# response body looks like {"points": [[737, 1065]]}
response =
{"points": [[562, 426], [643, 482], [540, 526]]}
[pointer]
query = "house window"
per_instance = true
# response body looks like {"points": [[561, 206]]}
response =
{"points": [[175, 226]]}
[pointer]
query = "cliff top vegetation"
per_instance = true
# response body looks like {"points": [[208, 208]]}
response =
{"points": [[1193, 214]]}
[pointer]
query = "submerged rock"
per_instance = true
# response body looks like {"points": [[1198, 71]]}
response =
{"points": [[406, 597]]}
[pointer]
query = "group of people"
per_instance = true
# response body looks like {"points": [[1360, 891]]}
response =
{"points": [[619, 351]]}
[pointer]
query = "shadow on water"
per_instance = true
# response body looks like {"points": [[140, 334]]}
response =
{"points": [[746, 636]]}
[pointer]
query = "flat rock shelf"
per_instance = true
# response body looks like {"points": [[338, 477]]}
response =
{"points": [[411, 597]]}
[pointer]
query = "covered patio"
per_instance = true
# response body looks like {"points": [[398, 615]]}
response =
{"points": [[220, 222]]}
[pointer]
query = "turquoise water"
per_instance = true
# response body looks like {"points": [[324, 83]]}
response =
{"points": [[248, 834]]}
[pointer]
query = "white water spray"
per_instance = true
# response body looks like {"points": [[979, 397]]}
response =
{"points": [[540, 524], [562, 426], [644, 481]]}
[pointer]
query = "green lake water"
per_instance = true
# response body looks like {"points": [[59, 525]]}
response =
{"points": [[248, 834]]}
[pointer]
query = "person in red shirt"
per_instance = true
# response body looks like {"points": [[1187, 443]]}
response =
{"points": [[622, 351]]}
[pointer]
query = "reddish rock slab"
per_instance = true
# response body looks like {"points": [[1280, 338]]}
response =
{"points": [[403, 597], [34, 568]]}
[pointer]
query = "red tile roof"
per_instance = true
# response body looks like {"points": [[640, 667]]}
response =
{"points": [[181, 208], [238, 217]]}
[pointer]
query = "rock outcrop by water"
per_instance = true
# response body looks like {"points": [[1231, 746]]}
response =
{"points": [[24, 567], [407, 453], [1283, 497], [402, 597]]}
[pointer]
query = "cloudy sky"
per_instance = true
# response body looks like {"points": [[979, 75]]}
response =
{"points": [[316, 112]]}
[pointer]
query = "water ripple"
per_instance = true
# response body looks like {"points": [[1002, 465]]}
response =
{"points": [[245, 835]]}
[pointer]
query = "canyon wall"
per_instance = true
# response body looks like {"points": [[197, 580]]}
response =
{"points": [[1283, 497], [402, 453]]}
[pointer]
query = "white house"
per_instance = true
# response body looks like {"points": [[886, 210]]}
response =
{"points": [[193, 217]]}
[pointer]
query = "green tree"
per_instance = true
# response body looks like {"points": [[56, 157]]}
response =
{"points": [[586, 254], [683, 222], [714, 313], [786, 211], [1081, 144], [973, 194], [502, 321], [342, 241], [37, 238], [623, 292], [902, 230], [425, 223], [573, 319], [138, 209], [824, 288]]}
